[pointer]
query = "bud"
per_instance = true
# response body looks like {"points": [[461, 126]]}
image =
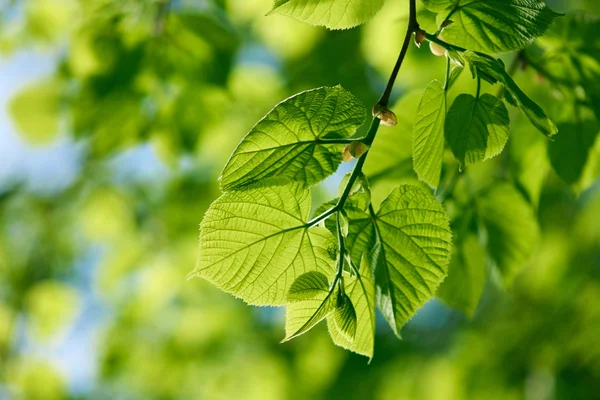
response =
{"points": [[436, 49], [355, 150], [387, 117], [419, 37], [446, 23]]}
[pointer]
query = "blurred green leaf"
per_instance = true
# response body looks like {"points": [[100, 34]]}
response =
{"points": [[36, 111], [466, 276], [571, 147], [511, 227]]}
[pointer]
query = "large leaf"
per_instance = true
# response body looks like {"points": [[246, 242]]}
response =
{"points": [[255, 243], [361, 292], [411, 243], [493, 71], [428, 134], [512, 230], [493, 25], [333, 14], [466, 276], [296, 141], [476, 128]]}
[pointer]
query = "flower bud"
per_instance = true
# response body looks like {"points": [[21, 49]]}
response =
{"points": [[419, 37], [436, 49], [387, 117], [355, 150]]}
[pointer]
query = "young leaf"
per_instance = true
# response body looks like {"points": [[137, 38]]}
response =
{"points": [[255, 243], [344, 317], [493, 71], [302, 316], [411, 242], [361, 292], [494, 25], [476, 128], [512, 230], [466, 276], [428, 134], [333, 14], [308, 286], [301, 139]]}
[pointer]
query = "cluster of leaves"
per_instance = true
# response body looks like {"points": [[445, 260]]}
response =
{"points": [[260, 243]]}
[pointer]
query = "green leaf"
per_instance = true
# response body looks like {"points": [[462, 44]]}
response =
{"points": [[570, 149], [307, 286], [529, 164], [344, 317], [302, 316], [464, 285], [333, 14], [36, 111], [301, 139], [476, 128], [511, 226], [255, 243], [493, 71], [494, 25], [361, 292], [440, 5], [428, 134], [411, 243]]}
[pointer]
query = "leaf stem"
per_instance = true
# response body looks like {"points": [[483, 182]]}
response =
{"points": [[413, 26]]}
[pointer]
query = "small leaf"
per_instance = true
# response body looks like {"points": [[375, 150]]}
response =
{"points": [[512, 230], [361, 292], [344, 317], [255, 243], [308, 286], [476, 128], [296, 141], [333, 14], [428, 134], [302, 316], [493, 25]]}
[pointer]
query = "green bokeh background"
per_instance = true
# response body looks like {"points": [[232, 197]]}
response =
{"points": [[112, 142]]}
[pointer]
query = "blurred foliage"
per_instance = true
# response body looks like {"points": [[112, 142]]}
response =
{"points": [[187, 79]]}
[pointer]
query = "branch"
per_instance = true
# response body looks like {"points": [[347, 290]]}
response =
{"points": [[413, 26]]}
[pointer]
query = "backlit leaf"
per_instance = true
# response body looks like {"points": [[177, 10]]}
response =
{"points": [[476, 128], [333, 14], [296, 141], [255, 243]]}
